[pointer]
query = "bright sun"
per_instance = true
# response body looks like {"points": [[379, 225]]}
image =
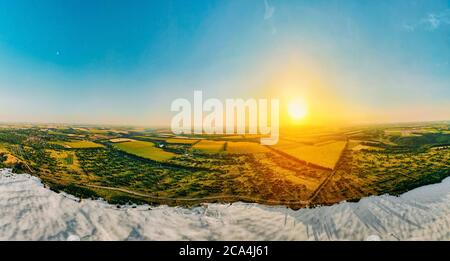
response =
{"points": [[297, 110]]}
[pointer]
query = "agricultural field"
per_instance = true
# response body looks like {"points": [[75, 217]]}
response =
{"points": [[144, 149], [232, 137], [307, 167], [120, 140], [209, 146], [243, 147], [68, 159], [181, 141], [368, 171], [324, 154], [78, 144]]}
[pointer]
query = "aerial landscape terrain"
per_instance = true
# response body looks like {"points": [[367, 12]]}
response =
{"points": [[308, 167], [224, 120]]}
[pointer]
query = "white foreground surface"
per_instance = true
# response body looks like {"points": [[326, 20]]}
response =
{"points": [[28, 211]]}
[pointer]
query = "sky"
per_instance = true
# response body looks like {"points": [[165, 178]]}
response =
{"points": [[124, 62]]}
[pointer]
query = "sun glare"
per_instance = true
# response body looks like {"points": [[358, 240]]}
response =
{"points": [[297, 110]]}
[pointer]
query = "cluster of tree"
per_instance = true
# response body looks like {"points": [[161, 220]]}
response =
{"points": [[3, 157], [10, 136], [75, 190], [423, 140]]}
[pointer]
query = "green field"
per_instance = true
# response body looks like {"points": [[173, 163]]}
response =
{"points": [[82, 144], [144, 149]]}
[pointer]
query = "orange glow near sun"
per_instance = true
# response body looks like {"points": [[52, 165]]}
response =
{"points": [[297, 110]]}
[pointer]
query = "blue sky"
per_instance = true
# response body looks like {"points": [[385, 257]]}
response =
{"points": [[123, 62]]}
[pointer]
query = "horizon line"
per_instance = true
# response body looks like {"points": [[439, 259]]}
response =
{"points": [[37, 123]]}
